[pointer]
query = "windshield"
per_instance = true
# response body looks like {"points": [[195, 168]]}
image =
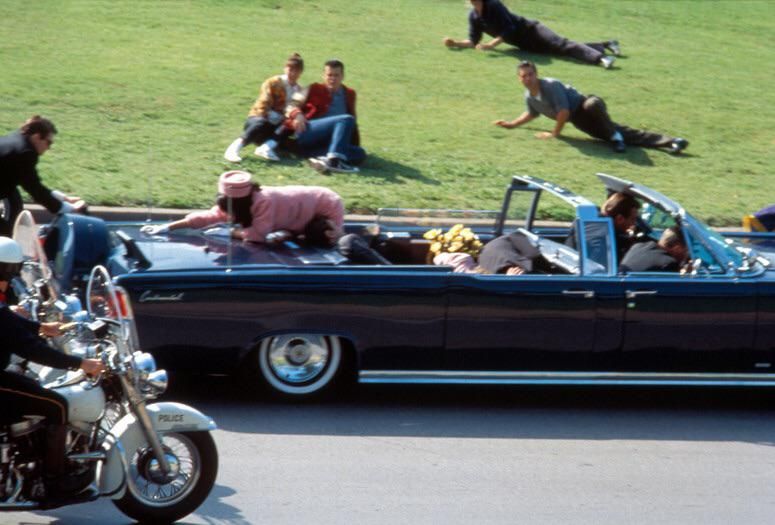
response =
{"points": [[714, 250], [102, 301], [35, 270]]}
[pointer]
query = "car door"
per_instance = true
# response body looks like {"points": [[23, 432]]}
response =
{"points": [[532, 323], [541, 321], [687, 323]]}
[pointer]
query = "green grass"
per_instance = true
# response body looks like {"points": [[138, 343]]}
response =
{"points": [[148, 94]]}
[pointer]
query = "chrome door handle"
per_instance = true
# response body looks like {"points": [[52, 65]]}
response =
{"points": [[586, 294], [632, 294]]}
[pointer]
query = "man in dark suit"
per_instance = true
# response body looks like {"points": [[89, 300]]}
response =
{"points": [[667, 255], [512, 254], [19, 153]]}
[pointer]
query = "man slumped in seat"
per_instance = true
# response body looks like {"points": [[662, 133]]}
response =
{"points": [[670, 254]]}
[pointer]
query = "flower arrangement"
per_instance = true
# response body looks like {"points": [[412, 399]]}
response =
{"points": [[457, 240]]}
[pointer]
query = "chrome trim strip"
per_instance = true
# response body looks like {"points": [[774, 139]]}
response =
{"points": [[564, 378]]}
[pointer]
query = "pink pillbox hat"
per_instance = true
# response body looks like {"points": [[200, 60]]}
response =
{"points": [[235, 184]]}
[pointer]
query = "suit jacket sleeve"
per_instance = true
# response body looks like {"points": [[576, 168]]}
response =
{"points": [[31, 183], [19, 336]]}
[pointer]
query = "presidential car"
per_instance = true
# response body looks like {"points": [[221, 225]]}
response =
{"points": [[300, 320]]}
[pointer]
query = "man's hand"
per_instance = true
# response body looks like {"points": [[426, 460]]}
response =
{"points": [[504, 124], [50, 329], [79, 205], [544, 135], [515, 270], [449, 42], [20, 311], [92, 367]]}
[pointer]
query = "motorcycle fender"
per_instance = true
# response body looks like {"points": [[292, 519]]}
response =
{"points": [[127, 437]]}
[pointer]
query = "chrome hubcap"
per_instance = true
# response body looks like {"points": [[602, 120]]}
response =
{"points": [[154, 488], [298, 358], [155, 474]]}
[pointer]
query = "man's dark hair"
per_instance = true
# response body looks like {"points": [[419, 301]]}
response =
{"points": [[335, 63], [295, 61], [240, 207], [620, 204], [38, 125], [315, 232], [527, 64], [672, 236]]}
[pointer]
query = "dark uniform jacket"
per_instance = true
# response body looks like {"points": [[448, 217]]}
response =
{"points": [[497, 21], [18, 161], [20, 336], [648, 257]]}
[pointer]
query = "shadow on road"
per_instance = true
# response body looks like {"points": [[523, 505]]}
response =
{"points": [[495, 412]]}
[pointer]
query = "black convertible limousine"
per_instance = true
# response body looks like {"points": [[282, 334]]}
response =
{"points": [[301, 319]]}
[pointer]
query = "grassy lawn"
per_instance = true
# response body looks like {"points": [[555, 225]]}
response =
{"points": [[148, 94]]}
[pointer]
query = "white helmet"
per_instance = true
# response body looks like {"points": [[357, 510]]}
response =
{"points": [[10, 258]]}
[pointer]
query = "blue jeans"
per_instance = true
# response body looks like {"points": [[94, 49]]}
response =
{"points": [[332, 136]]}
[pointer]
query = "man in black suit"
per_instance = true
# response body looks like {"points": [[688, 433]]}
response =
{"points": [[19, 153], [511, 254], [667, 255]]}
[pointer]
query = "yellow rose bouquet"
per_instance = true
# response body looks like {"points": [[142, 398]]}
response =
{"points": [[457, 240]]}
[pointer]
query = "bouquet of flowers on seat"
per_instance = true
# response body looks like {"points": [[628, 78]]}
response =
{"points": [[458, 240]]}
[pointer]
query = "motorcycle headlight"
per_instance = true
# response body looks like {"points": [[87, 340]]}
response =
{"points": [[145, 364], [155, 384]]}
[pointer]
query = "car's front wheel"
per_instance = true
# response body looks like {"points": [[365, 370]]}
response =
{"points": [[300, 365]]}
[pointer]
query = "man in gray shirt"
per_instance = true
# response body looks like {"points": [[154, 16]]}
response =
{"points": [[562, 103]]}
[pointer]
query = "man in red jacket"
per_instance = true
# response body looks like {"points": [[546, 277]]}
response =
{"points": [[325, 127]]}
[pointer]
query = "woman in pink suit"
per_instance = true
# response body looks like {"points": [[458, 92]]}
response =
{"points": [[277, 210]]}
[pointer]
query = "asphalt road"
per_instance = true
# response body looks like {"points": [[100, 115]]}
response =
{"points": [[480, 455]]}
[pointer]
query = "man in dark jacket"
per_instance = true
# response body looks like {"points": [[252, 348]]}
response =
{"points": [[623, 211], [19, 153], [20, 395], [493, 18], [668, 255], [512, 254]]}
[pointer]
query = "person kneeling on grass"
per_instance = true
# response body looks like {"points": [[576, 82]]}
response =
{"points": [[265, 215], [325, 128], [267, 114]]}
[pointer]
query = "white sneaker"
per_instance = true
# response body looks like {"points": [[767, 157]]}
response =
{"points": [[613, 46], [607, 61], [232, 152], [266, 153], [319, 164]]}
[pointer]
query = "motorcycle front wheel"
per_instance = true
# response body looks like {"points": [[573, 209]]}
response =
{"points": [[153, 496]]}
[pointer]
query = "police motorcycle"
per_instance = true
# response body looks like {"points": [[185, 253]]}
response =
{"points": [[157, 462]]}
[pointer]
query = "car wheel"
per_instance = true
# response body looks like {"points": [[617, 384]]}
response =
{"points": [[299, 364]]}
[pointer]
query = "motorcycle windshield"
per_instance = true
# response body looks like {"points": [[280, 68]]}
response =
{"points": [[101, 298], [35, 270]]}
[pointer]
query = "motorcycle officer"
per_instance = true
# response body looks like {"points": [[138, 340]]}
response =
{"points": [[21, 395]]}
